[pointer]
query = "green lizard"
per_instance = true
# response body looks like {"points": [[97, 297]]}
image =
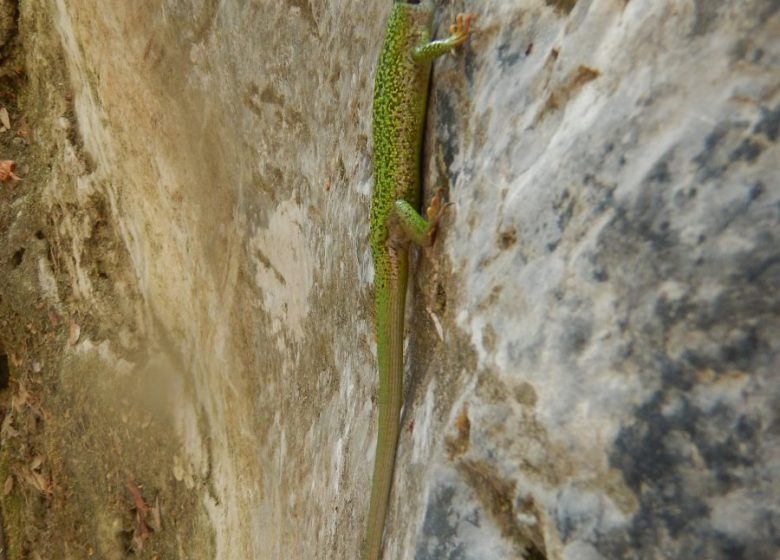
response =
{"points": [[400, 99]]}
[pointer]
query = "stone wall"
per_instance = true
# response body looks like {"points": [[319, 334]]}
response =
{"points": [[593, 341]]}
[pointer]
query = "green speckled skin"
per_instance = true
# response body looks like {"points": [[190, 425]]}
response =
{"points": [[400, 98]]}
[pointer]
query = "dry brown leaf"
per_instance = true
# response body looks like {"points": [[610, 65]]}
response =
{"points": [[138, 499], [40, 482], [5, 120], [7, 167], [54, 319], [74, 333], [9, 485], [36, 463], [7, 431], [20, 399]]}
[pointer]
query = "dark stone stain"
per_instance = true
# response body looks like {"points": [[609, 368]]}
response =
{"points": [[740, 49], [269, 95], [748, 150], [445, 119], [729, 142], [576, 336], [756, 190], [469, 65], [742, 351], [769, 8], [704, 158], [564, 208], [680, 453], [706, 16], [676, 455], [648, 210], [654, 463], [507, 238], [659, 173], [562, 6], [600, 273], [758, 269], [769, 123], [17, 257], [438, 531], [507, 55]]}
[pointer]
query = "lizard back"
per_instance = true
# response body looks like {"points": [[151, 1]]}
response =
{"points": [[400, 99]]}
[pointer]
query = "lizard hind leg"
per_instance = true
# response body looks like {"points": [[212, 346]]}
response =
{"points": [[416, 228]]}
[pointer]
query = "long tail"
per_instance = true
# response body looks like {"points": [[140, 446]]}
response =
{"points": [[390, 336]]}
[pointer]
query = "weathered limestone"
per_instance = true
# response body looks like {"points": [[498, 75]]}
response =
{"points": [[593, 343]]}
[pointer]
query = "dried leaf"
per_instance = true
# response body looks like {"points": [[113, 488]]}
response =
{"points": [[36, 463], [9, 485], [156, 516], [7, 167], [19, 400], [5, 120], [54, 319], [178, 469], [7, 431], [138, 499], [74, 333], [40, 482]]}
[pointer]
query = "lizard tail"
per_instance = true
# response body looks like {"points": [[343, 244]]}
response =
{"points": [[390, 331]]}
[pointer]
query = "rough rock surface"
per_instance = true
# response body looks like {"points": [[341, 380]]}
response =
{"points": [[593, 350]]}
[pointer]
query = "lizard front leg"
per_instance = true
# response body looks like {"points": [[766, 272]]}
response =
{"points": [[459, 33]]}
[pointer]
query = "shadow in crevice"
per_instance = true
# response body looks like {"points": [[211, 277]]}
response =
{"points": [[5, 371]]}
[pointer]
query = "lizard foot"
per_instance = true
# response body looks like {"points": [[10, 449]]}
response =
{"points": [[436, 207], [459, 31], [435, 211]]}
